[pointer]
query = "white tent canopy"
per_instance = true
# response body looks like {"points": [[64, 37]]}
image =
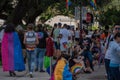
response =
{"points": [[1, 22], [62, 19]]}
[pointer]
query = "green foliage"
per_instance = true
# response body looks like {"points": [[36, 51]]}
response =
{"points": [[28, 10], [110, 17], [57, 9], [48, 27]]}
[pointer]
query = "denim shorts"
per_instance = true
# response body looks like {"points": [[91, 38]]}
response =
{"points": [[57, 45]]}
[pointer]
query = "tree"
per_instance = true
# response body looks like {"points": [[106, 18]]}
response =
{"points": [[17, 10], [23, 9], [110, 17], [5, 8], [110, 14]]}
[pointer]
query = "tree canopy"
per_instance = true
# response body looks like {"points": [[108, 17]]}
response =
{"points": [[17, 10]]}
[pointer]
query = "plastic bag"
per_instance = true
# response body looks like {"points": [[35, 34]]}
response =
{"points": [[46, 61]]}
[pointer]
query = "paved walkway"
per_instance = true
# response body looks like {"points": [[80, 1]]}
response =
{"points": [[23, 76], [98, 74]]}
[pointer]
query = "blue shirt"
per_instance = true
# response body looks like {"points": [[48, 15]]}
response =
{"points": [[114, 48]]}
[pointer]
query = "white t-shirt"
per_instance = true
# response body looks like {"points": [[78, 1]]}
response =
{"points": [[77, 34], [65, 34], [108, 52], [71, 33]]}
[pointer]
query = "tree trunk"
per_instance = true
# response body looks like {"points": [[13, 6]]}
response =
{"points": [[19, 12], [22, 10], [31, 19]]}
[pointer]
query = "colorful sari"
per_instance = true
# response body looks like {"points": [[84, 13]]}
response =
{"points": [[12, 57]]}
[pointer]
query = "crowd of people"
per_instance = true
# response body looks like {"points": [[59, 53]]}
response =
{"points": [[74, 51]]}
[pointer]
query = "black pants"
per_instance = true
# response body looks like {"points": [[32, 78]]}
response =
{"points": [[115, 73], [107, 67]]}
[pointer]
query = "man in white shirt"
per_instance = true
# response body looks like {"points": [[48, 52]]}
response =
{"points": [[64, 36], [109, 39]]}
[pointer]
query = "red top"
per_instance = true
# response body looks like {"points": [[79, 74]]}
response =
{"points": [[49, 47]]}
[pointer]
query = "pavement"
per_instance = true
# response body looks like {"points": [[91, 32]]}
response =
{"points": [[98, 74], [24, 76]]}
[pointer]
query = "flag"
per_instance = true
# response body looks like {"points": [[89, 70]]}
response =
{"points": [[93, 3], [68, 3]]}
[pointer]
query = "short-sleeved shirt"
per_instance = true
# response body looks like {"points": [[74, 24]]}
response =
{"points": [[30, 46], [85, 43], [42, 39], [65, 34], [56, 34]]}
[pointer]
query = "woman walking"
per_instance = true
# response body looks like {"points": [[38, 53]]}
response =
{"points": [[12, 58]]}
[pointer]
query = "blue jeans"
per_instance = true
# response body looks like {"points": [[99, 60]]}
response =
{"points": [[40, 57], [107, 63], [115, 73], [88, 55], [57, 45], [31, 60]]}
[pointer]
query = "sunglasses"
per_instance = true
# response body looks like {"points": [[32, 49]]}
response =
{"points": [[117, 28]]}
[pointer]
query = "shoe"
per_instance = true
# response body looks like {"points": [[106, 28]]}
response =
{"points": [[42, 71], [14, 74], [10, 73], [31, 76], [87, 72], [36, 69]]}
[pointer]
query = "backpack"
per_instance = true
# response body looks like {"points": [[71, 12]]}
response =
{"points": [[30, 38]]}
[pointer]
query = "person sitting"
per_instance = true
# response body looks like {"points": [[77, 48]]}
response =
{"points": [[61, 69], [76, 64]]}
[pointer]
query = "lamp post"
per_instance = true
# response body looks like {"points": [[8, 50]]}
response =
{"points": [[80, 23]]}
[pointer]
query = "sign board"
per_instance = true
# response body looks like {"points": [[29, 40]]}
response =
{"points": [[84, 13], [77, 13]]}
